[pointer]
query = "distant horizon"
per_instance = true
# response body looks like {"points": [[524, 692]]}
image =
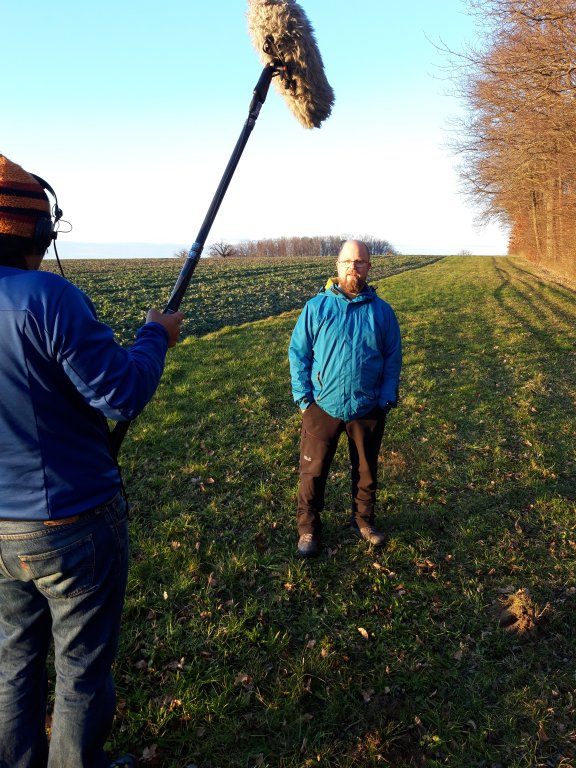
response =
{"points": [[135, 250]]}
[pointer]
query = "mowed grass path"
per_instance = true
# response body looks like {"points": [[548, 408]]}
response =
{"points": [[455, 644]]}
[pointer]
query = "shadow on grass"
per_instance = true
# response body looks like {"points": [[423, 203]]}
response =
{"points": [[240, 653]]}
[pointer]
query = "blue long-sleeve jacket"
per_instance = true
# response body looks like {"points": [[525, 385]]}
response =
{"points": [[61, 375], [346, 354]]}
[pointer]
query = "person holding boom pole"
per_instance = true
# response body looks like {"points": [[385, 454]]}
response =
{"points": [[345, 357], [63, 512]]}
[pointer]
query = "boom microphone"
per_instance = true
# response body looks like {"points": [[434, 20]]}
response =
{"points": [[282, 31], [282, 34]]}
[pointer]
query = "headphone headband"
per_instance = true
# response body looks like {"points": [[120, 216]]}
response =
{"points": [[57, 210]]}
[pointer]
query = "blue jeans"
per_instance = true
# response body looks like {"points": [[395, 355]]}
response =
{"points": [[64, 583]]}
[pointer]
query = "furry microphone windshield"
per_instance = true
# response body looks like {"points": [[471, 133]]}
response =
{"points": [[284, 37]]}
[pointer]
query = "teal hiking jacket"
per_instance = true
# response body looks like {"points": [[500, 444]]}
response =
{"points": [[346, 354]]}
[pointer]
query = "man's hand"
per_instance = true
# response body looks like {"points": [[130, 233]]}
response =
{"points": [[171, 322]]}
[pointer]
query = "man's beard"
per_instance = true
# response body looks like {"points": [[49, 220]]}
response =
{"points": [[352, 283]]}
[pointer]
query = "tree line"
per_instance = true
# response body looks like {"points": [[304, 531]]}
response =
{"points": [[293, 247], [518, 138]]}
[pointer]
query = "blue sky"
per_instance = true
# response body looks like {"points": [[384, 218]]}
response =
{"points": [[131, 111]]}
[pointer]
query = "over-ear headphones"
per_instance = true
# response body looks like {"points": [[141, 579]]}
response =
{"points": [[45, 231]]}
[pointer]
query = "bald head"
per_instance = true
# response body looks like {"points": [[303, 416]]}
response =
{"points": [[354, 249], [353, 265]]}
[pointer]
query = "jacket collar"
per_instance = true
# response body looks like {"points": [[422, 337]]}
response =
{"points": [[368, 292]]}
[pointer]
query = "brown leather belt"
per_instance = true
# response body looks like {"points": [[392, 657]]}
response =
{"points": [[62, 520]]}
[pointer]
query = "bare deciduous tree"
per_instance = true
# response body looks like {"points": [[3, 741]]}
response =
{"points": [[295, 247], [221, 249], [518, 140]]}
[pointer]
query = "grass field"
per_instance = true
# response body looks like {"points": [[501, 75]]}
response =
{"points": [[455, 644], [222, 291]]}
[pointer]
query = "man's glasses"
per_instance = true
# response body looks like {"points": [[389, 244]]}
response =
{"points": [[354, 263]]}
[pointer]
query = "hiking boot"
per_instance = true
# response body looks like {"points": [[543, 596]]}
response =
{"points": [[126, 761], [308, 545], [369, 534]]}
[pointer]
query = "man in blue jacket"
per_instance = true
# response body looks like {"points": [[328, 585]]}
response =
{"points": [[63, 516], [345, 358]]}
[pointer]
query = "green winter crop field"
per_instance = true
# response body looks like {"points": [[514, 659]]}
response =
{"points": [[222, 291], [455, 644]]}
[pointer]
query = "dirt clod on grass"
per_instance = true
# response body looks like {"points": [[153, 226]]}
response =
{"points": [[517, 612]]}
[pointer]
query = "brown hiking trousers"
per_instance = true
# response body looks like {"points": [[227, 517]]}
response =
{"points": [[319, 439]]}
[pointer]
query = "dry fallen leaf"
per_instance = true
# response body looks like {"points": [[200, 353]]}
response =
{"points": [[363, 632], [175, 665], [151, 754], [367, 695], [242, 678]]}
